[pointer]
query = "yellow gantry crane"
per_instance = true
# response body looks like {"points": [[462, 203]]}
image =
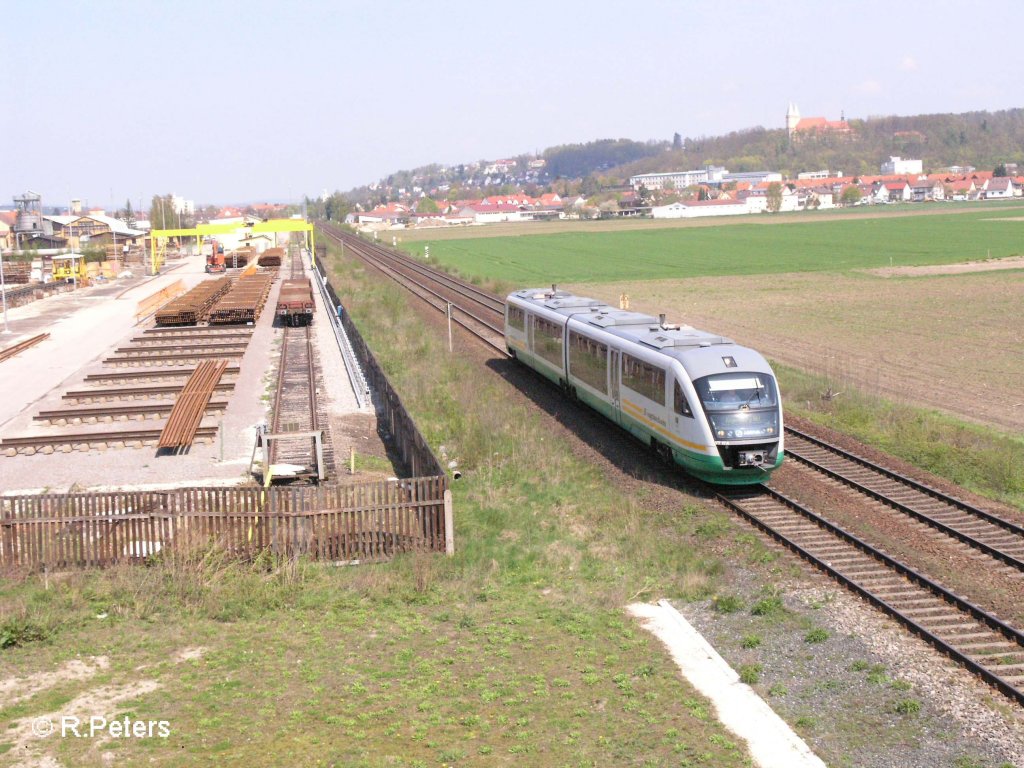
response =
{"points": [[158, 237]]}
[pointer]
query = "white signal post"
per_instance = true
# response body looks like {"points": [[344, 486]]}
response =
{"points": [[448, 312]]}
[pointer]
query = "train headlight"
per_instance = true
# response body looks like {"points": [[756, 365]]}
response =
{"points": [[721, 433]]}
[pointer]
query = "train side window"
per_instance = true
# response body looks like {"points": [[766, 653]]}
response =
{"points": [[588, 361], [680, 405], [547, 340], [643, 378], [517, 318]]}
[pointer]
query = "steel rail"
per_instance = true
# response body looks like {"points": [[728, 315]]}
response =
{"points": [[98, 412], [21, 346], [945, 528], [129, 359], [92, 438], [735, 503], [123, 393], [146, 349], [190, 406], [295, 402], [238, 334], [164, 373], [910, 482], [197, 330], [468, 290]]}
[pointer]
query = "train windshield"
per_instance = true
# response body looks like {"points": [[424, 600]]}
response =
{"points": [[740, 406]]}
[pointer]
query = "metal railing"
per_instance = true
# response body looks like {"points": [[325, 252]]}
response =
{"points": [[352, 366]]}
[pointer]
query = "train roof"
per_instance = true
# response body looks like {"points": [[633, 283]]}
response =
{"points": [[700, 352]]}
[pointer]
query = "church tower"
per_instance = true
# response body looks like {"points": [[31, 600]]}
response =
{"points": [[792, 118]]}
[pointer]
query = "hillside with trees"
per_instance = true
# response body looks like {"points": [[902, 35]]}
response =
{"points": [[985, 140], [981, 139]]}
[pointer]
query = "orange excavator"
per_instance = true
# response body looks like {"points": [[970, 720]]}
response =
{"points": [[214, 256]]}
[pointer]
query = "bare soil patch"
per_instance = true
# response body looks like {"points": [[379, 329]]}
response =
{"points": [[948, 342], [986, 265], [15, 689]]}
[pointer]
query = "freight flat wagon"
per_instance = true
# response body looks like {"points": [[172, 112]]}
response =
{"points": [[295, 302]]}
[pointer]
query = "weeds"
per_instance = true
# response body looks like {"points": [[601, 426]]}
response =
{"points": [[907, 707], [727, 603], [816, 635], [769, 606], [750, 673]]}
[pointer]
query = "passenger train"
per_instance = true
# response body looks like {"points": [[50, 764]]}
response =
{"points": [[702, 400]]}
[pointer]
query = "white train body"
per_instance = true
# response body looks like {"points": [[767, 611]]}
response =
{"points": [[711, 405]]}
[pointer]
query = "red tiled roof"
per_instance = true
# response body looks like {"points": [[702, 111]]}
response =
{"points": [[821, 124]]}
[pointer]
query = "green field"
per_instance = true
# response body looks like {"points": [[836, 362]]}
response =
{"points": [[734, 248]]}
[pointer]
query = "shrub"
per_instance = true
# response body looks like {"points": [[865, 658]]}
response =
{"points": [[907, 707], [816, 635], [726, 603], [18, 631], [750, 673], [767, 606]]}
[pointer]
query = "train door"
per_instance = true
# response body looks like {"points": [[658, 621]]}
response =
{"points": [[614, 371]]}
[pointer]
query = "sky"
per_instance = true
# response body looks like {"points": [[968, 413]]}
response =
{"points": [[257, 101]]}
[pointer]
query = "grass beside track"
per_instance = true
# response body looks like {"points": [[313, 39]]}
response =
{"points": [[731, 248], [984, 460], [516, 651]]}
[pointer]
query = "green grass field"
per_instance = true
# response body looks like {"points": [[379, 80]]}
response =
{"points": [[733, 248]]}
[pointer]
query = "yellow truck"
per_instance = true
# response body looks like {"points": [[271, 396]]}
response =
{"points": [[70, 266]]}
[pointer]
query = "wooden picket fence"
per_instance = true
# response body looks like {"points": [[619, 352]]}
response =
{"points": [[356, 523]]}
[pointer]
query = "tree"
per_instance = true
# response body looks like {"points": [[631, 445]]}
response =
{"points": [[1000, 170], [427, 205], [161, 213], [774, 197], [128, 215], [677, 142], [851, 195]]}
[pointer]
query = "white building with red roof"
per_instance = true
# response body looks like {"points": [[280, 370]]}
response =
{"points": [[811, 126]]}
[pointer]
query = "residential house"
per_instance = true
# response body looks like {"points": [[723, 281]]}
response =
{"points": [[927, 190], [962, 189], [819, 198], [999, 188], [896, 192]]}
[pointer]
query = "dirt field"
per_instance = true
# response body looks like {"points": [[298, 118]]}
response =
{"points": [[988, 265], [953, 342]]}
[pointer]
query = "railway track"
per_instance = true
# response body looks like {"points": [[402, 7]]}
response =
{"points": [[985, 531], [476, 311], [983, 643], [296, 408]]}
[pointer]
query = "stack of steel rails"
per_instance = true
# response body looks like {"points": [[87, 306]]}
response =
{"points": [[244, 302], [193, 307], [271, 257], [191, 405]]}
